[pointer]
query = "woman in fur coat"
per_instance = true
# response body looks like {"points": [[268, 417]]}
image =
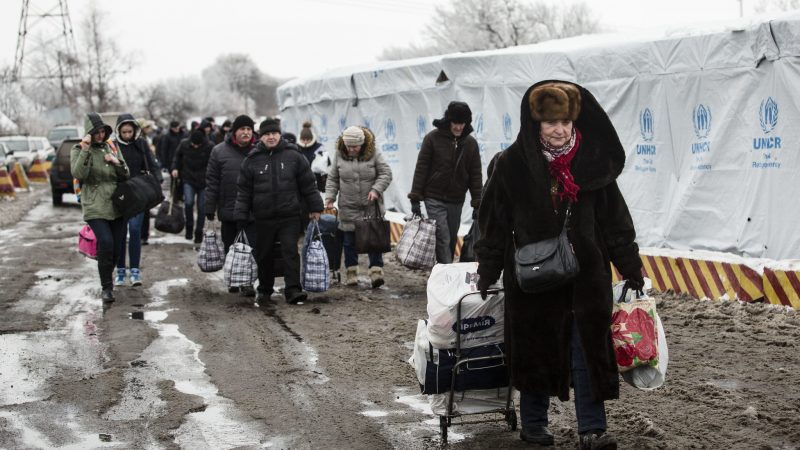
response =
{"points": [[567, 153]]}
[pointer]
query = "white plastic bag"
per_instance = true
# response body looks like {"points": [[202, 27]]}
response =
{"points": [[321, 163], [482, 320], [421, 355]]}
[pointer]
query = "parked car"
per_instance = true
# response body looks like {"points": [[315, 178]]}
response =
{"points": [[26, 148], [61, 173], [61, 132]]}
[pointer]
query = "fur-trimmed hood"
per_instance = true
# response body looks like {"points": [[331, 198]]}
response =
{"points": [[600, 158], [367, 148], [122, 120]]}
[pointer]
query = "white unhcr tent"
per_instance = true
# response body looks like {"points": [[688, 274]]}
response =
{"points": [[708, 117]]}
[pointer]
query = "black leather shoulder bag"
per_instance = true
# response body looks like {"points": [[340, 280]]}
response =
{"points": [[544, 265]]}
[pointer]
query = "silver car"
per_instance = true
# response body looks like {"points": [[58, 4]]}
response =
{"points": [[25, 149]]}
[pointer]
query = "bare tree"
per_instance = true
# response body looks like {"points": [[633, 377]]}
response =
{"points": [[175, 98], [99, 66], [235, 85], [470, 25]]}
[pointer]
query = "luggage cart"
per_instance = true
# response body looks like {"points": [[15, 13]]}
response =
{"points": [[462, 364]]}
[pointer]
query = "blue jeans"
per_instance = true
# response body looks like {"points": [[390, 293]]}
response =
{"points": [[189, 193], [351, 256], [134, 244], [591, 413], [109, 234]]}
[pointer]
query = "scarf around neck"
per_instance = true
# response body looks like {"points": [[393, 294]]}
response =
{"points": [[559, 159]]}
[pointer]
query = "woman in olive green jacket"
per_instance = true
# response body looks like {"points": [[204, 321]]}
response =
{"points": [[100, 167]]}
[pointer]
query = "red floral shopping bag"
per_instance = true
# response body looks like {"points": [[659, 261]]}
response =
{"points": [[634, 333]]}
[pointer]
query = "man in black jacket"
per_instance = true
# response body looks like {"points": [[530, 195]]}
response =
{"points": [[168, 144], [273, 184], [221, 175], [449, 164], [190, 163]]}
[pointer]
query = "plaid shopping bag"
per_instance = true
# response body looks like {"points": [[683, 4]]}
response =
{"points": [[315, 261], [417, 246], [211, 256], [240, 267]]}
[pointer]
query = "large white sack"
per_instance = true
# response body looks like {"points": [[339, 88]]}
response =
{"points": [[482, 320]]}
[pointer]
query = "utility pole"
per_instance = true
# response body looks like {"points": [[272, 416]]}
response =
{"points": [[46, 47]]}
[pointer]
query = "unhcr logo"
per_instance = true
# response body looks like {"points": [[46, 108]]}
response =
{"points": [[323, 124], [646, 124], [701, 119], [507, 126], [389, 130], [342, 123], [421, 128], [768, 115], [390, 133], [367, 123], [479, 126]]}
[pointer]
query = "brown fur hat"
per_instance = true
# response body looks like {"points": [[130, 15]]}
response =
{"points": [[555, 101]]}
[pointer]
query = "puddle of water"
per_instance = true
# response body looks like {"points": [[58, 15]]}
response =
{"points": [[70, 341], [420, 404], [30, 437], [150, 316], [172, 356]]}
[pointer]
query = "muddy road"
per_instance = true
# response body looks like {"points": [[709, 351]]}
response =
{"points": [[180, 363]]}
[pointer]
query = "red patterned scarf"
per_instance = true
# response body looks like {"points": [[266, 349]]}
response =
{"points": [[559, 159]]}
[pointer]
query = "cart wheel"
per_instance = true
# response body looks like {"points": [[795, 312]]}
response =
{"points": [[443, 428], [511, 418]]}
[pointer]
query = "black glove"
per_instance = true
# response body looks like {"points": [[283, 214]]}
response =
{"points": [[415, 208], [210, 216], [474, 213], [635, 282], [483, 286]]}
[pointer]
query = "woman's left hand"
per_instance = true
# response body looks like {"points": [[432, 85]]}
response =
{"points": [[373, 196], [109, 158]]}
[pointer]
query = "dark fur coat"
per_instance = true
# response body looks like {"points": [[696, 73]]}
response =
{"points": [[517, 198]]}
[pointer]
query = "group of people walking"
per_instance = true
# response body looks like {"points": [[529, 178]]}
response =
{"points": [[559, 173]]}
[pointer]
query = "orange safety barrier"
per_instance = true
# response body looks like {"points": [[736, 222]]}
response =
{"points": [[6, 186], [18, 177], [704, 278], [37, 172]]}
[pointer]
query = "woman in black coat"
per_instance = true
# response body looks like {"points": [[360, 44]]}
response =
{"points": [[567, 152]]}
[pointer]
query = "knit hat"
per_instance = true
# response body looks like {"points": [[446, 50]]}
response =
{"points": [[269, 125], [458, 112], [290, 138], [555, 101], [197, 137], [353, 136], [227, 123], [242, 121]]}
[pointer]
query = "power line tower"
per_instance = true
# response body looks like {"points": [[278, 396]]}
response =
{"points": [[46, 49]]}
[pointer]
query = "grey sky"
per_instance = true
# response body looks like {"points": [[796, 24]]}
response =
{"points": [[170, 38]]}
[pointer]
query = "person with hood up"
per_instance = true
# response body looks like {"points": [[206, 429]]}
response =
{"points": [[359, 175], [168, 144], [222, 173], [273, 182], [190, 164], [312, 149], [99, 167], [222, 132], [448, 165], [561, 168], [136, 152]]}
